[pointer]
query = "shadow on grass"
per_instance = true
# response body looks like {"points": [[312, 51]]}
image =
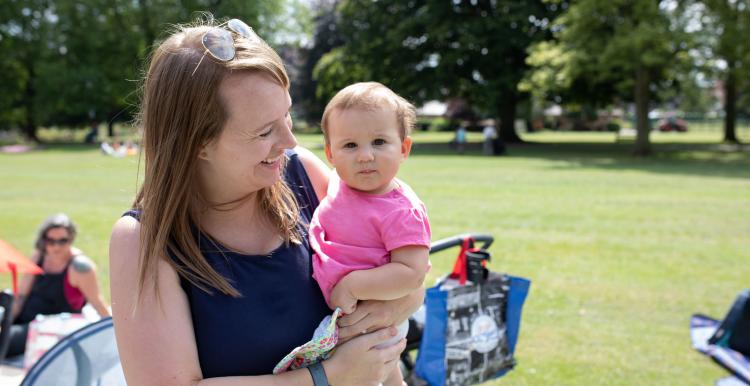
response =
{"points": [[71, 147], [703, 159]]}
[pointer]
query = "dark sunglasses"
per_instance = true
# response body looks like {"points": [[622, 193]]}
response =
{"points": [[63, 241], [219, 41]]}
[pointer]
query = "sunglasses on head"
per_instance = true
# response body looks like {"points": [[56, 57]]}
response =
{"points": [[219, 41], [50, 241]]}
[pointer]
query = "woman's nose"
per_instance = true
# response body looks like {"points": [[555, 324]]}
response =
{"points": [[289, 141]]}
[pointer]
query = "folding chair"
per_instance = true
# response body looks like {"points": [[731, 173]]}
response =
{"points": [[726, 340], [6, 305], [84, 358]]}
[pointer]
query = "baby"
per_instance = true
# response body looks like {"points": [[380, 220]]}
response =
{"points": [[370, 234]]}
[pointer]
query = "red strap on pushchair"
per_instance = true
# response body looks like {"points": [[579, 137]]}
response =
{"points": [[459, 268]]}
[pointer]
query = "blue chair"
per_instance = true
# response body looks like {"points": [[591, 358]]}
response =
{"points": [[84, 358]]}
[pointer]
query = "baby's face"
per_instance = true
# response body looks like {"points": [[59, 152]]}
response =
{"points": [[366, 149]]}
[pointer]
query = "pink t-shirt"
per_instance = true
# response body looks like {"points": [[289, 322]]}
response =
{"points": [[352, 230]]}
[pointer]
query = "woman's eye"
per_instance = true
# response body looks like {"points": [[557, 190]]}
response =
{"points": [[350, 145], [378, 142], [266, 133]]}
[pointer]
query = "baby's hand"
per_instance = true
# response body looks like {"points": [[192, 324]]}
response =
{"points": [[341, 297]]}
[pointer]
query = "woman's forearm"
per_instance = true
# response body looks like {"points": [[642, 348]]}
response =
{"points": [[299, 377], [17, 306], [101, 307]]}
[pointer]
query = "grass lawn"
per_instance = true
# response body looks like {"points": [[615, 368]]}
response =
{"points": [[620, 250]]}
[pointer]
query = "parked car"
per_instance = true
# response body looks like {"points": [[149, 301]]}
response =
{"points": [[673, 124]]}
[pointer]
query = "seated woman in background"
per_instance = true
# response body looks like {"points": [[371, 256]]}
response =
{"points": [[68, 282]]}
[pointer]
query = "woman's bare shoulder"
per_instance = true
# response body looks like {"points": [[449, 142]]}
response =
{"points": [[125, 241]]}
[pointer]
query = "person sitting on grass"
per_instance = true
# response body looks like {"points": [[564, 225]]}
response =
{"points": [[69, 280]]}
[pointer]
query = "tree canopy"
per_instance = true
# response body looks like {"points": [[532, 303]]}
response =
{"points": [[70, 62], [603, 50], [433, 49]]}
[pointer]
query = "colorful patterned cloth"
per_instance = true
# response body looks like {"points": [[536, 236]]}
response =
{"points": [[319, 348]]}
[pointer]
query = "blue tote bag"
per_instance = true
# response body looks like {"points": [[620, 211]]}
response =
{"points": [[471, 330]]}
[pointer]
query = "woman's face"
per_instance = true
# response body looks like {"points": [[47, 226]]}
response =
{"points": [[57, 242], [248, 154]]}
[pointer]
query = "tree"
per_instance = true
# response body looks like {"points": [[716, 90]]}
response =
{"points": [[608, 48], [435, 49], [69, 62], [325, 38], [729, 24]]}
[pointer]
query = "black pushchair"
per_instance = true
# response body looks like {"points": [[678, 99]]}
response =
{"points": [[472, 261]]}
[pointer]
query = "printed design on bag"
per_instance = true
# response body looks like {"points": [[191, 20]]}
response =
{"points": [[476, 341], [484, 334]]}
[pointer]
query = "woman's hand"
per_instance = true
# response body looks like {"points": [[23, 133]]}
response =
{"points": [[358, 362], [372, 315]]}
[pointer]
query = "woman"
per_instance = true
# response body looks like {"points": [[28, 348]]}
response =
{"points": [[211, 272], [67, 284]]}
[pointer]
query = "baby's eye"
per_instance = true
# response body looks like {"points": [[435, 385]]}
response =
{"points": [[378, 142], [350, 145]]}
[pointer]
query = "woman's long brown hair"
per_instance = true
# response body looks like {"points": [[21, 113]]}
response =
{"points": [[180, 113]]}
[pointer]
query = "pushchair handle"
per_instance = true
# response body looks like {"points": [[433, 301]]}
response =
{"points": [[457, 240]]}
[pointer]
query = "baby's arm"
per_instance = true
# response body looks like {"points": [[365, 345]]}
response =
{"points": [[404, 274]]}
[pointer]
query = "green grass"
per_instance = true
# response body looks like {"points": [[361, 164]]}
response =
{"points": [[620, 250]]}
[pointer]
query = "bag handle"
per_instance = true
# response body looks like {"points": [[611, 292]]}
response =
{"points": [[459, 267]]}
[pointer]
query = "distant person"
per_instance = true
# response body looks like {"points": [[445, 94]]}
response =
{"points": [[131, 148], [92, 134], [117, 149], [370, 233], [69, 280], [489, 134], [461, 138]]}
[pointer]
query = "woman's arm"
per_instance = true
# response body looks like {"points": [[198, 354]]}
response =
{"points": [[82, 275], [371, 315], [316, 169], [156, 341], [154, 336], [24, 288]]}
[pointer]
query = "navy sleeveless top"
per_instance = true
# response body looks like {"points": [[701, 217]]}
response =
{"points": [[281, 304]]}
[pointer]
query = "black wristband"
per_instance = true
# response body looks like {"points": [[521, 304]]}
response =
{"points": [[318, 374]]}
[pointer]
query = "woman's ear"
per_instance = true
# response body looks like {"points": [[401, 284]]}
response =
{"points": [[203, 154]]}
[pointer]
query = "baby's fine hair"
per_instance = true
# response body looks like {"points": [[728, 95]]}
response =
{"points": [[371, 96]]}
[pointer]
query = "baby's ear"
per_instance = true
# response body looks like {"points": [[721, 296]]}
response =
{"points": [[406, 147], [329, 155]]}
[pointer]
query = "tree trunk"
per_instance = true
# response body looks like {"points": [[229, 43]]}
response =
{"points": [[643, 128], [730, 106], [508, 118], [29, 125]]}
